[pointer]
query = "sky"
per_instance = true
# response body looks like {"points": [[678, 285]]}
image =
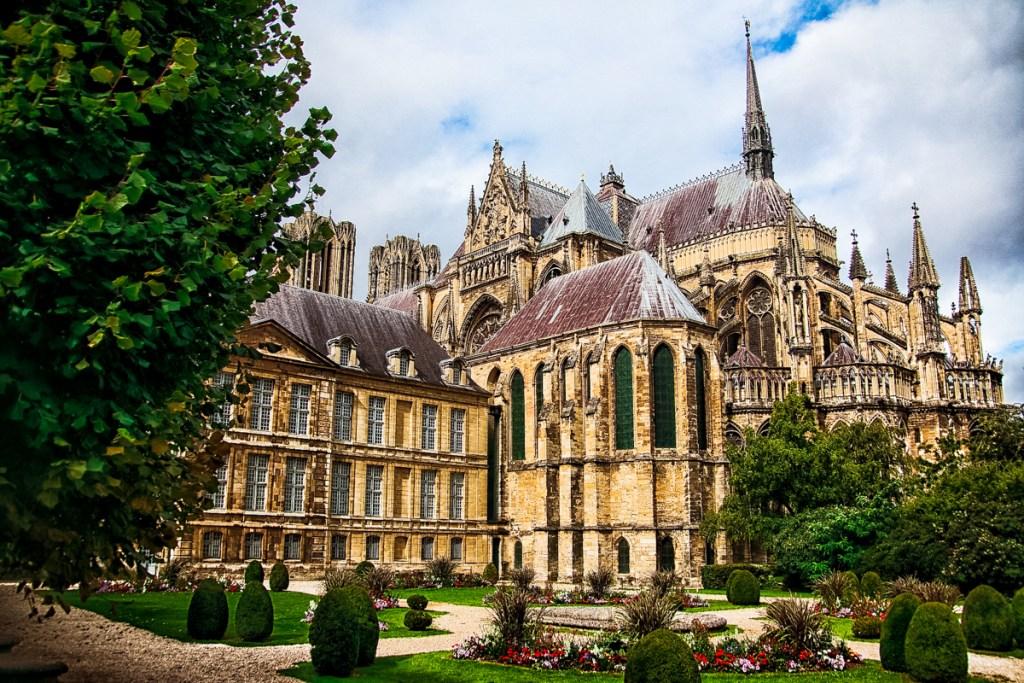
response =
{"points": [[872, 106]]}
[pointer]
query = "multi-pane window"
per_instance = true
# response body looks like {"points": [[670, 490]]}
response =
{"points": [[456, 430], [292, 547], [373, 547], [212, 541], [256, 482], [222, 486], [341, 482], [457, 374], [374, 487], [294, 484], [456, 495], [254, 546], [346, 351], [663, 392], [375, 422], [298, 415], [518, 417], [427, 548], [623, 399], [224, 380], [343, 401], [339, 549], [403, 363], [428, 494], [262, 402], [456, 549], [428, 436]]}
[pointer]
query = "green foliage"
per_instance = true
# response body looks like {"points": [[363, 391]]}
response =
{"points": [[717, 575], [988, 620], [661, 657], [364, 568], [894, 631], [339, 578], [851, 588], [145, 170], [335, 635], [417, 620], [441, 570], [867, 627], [871, 585], [600, 581], [254, 616], [279, 577], [514, 622], [796, 623], [254, 572], [1018, 616], [832, 589], [369, 627], [647, 612], [490, 574], [743, 588], [416, 601], [999, 435], [935, 645], [208, 611]]}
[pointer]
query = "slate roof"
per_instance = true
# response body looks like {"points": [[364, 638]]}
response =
{"points": [[627, 288], [581, 214], [404, 300], [545, 198], [315, 317], [726, 201], [843, 355], [744, 358]]}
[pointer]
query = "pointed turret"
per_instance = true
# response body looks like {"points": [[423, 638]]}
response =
{"points": [[524, 191], [707, 273], [969, 301], [791, 254], [858, 271], [922, 268], [471, 209], [891, 284], [757, 137]]}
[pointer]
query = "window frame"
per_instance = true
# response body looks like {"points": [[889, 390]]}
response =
{"points": [[255, 488], [372, 541], [300, 409], [428, 494], [375, 420], [457, 495], [374, 501], [457, 430], [428, 427], [248, 541], [291, 547], [261, 415], [212, 539], [427, 549], [295, 484], [336, 544], [341, 472], [344, 410]]}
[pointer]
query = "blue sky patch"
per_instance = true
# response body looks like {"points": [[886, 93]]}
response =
{"points": [[457, 123]]}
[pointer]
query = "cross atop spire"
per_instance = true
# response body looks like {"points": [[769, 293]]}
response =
{"points": [[891, 284], [922, 267], [858, 271], [757, 137]]}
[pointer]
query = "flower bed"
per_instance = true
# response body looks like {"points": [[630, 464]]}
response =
{"points": [[741, 655], [156, 585], [607, 652]]}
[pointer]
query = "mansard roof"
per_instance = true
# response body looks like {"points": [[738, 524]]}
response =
{"points": [[582, 215], [315, 318], [624, 289], [727, 201], [404, 300]]}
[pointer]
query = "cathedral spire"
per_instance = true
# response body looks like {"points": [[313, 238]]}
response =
{"points": [[524, 192], [757, 137], [858, 271], [969, 301], [891, 284], [471, 209], [922, 268]]}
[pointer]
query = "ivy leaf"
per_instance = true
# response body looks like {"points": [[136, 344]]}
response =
{"points": [[102, 74]]}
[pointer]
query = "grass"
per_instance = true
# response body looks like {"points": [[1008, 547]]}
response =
{"points": [[474, 597], [843, 628], [765, 593], [435, 667], [165, 614], [717, 606], [394, 618]]}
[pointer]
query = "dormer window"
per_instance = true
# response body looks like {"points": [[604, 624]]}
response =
{"points": [[401, 362], [345, 352], [454, 372], [342, 350]]}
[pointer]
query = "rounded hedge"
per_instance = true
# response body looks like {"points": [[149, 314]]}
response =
{"points": [[988, 620], [661, 657], [369, 631], [851, 588], [334, 634], [208, 611], [867, 627], [871, 585], [364, 568], [416, 601], [743, 588], [254, 572], [936, 650], [417, 620], [1018, 616], [894, 631], [490, 574], [254, 616], [279, 577]]}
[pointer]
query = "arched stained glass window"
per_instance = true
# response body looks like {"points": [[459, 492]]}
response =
{"points": [[623, 398], [518, 418], [623, 549], [538, 391], [664, 392], [701, 398], [517, 555]]}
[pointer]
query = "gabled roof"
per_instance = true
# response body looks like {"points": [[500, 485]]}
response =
{"points": [[315, 317], [404, 300], [744, 358], [582, 215], [843, 355], [627, 288], [725, 201], [544, 198]]}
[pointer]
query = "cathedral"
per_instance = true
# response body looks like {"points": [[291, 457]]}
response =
{"points": [[589, 357]]}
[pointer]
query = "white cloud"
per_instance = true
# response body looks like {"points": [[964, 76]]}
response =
{"points": [[875, 107]]}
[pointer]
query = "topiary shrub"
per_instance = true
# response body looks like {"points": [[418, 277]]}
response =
{"points": [[871, 585], [490, 574], [254, 572], [369, 631], [894, 631], [1018, 616], [208, 611], [867, 627], [364, 568], [417, 620], [254, 616], [988, 620], [851, 588], [416, 601], [661, 657], [279, 577], [935, 646], [717, 575], [334, 636], [743, 588]]}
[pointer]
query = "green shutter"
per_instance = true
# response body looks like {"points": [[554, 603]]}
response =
{"points": [[623, 399], [702, 413], [664, 399], [518, 418]]}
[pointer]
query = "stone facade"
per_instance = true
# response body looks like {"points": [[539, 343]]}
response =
{"points": [[401, 263], [330, 269]]}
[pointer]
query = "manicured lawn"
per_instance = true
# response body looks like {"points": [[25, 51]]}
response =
{"points": [[435, 667], [765, 593], [165, 614], [396, 626], [474, 597], [716, 606], [843, 628]]}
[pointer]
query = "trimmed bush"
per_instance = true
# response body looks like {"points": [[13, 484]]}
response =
{"points": [[254, 616], [254, 572], [894, 631], [935, 647], [1018, 616], [988, 620], [416, 601], [661, 657], [417, 620], [743, 588], [867, 627], [871, 585], [851, 589], [717, 575], [490, 574], [279, 577], [208, 611], [364, 568], [369, 631], [334, 637]]}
